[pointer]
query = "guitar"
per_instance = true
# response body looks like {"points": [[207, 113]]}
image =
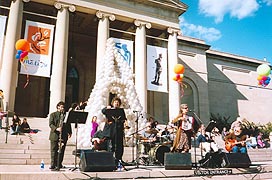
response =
{"points": [[230, 143]]}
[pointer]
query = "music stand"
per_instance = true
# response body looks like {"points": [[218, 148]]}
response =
{"points": [[209, 128], [115, 114], [77, 117]]}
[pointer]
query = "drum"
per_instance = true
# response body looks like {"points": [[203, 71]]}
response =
{"points": [[157, 152]]}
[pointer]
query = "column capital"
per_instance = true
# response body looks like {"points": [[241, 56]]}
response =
{"points": [[142, 23], [70, 7], [101, 15], [171, 30]]}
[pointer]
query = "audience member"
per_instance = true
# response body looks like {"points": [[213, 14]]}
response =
{"points": [[251, 142], [25, 128], [224, 133], [260, 141], [15, 127]]}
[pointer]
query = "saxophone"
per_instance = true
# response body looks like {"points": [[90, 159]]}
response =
{"points": [[62, 116]]}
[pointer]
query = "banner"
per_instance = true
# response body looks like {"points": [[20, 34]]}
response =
{"points": [[125, 47], [40, 37], [2, 31], [156, 68]]}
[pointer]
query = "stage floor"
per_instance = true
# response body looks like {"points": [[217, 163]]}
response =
{"points": [[25, 172]]}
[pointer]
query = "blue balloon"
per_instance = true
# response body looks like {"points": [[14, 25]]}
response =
{"points": [[17, 56], [19, 52]]}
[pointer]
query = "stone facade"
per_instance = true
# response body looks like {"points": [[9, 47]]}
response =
{"points": [[217, 82]]}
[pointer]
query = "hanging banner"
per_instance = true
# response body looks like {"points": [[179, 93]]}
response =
{"points": [[125, 47], [40, 37], [2, 31], [156, 68]]}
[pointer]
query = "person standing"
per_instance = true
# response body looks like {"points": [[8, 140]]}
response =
{"points": [[94, 126], [59, 134], [116, 128], [1, 107], [182, 142]]}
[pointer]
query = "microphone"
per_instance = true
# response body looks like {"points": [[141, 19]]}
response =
{"points": [[191, 110], [135, 111]]}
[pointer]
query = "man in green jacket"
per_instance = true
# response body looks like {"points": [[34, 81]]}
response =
{"points": [[59, 134]]}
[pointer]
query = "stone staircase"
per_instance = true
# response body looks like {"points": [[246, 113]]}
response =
{"points": [[31, 149]]}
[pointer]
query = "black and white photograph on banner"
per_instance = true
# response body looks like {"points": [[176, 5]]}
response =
{"points": [[156, 68]]}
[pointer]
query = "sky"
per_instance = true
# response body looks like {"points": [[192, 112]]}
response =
{"points": [[241, 27]]}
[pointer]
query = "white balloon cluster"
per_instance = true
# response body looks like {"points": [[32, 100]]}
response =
{"points": [[115, 77]]}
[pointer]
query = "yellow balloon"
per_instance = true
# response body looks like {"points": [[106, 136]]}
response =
{"points": [[179, 69]]}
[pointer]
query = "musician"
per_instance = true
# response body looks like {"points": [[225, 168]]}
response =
{"points": [[236, 141], [60, 132], [182, 141], [115, 128], [148, 139]]}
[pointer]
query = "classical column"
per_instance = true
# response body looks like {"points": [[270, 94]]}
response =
{"points": [[174, 89], [102, 36], [9, 73], [59, 67], [140, 62]]}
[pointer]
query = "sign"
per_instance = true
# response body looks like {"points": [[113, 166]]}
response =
{"points": [[211, 172], [40, 37]]}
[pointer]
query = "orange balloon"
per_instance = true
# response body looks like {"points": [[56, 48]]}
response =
{"points": [[179, 69], [22, 44], [259, 77]]}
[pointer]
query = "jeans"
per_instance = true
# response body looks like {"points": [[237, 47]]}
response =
{"points": [[237, 149]]}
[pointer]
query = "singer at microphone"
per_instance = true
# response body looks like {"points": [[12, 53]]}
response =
{"points": [[114, 128]]}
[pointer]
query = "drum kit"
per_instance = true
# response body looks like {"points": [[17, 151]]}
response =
{"points": [[153, 148]]}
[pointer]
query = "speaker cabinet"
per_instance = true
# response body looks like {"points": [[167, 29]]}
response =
{"points": [[236, 160], [177, 161], [96, 161]]}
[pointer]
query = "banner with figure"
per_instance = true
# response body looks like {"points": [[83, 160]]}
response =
{"points": [[2, 31], [156, 68], [125, 47], [40, 37]]}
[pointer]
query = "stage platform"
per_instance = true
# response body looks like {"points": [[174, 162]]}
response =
{"points": [[29, 172]]}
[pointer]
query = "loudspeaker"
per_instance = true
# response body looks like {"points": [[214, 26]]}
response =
{"points": [[177, 161], [96, 161], [236, 160]]}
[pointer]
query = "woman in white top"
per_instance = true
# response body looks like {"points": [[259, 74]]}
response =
{"points": [[182, 142]]}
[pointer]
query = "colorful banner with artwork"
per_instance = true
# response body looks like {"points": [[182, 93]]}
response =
{"points": [[2, 31], [156, 68], [125, 47], [40, 37]]}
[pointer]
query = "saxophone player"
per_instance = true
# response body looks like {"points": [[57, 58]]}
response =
{"points": [[59, 134]]}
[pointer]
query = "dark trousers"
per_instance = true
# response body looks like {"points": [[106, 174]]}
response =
{"points": [[118, 146], [54, 147]]}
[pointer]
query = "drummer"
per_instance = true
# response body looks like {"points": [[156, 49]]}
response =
{"points": [[148, 139], [166, 134]]}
